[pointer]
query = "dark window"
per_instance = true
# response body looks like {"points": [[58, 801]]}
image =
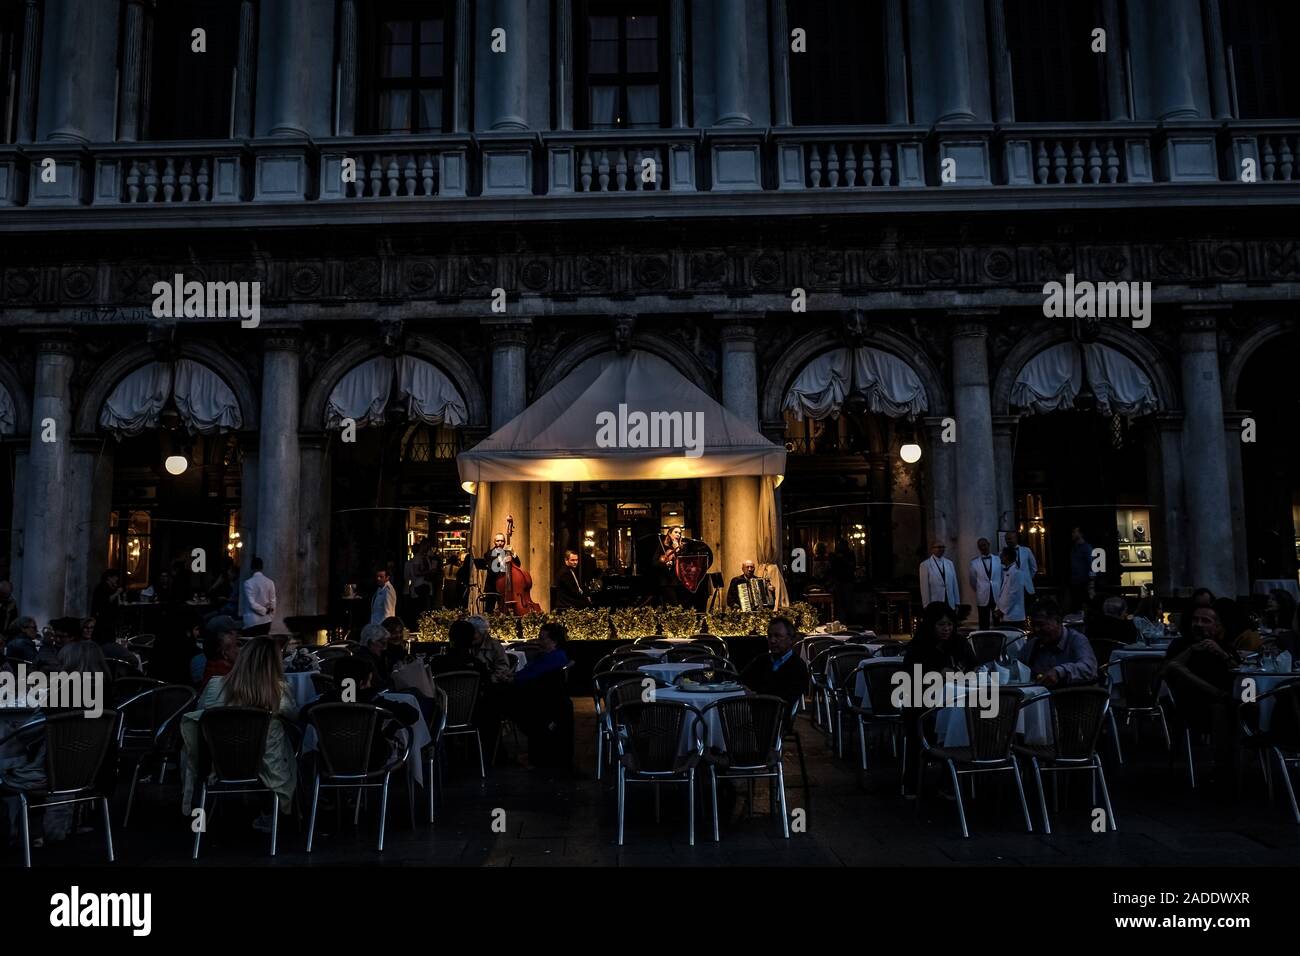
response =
{"points": [[841, 77], [11, 49], [1055, 75], [621, 67], [1261, 36], [409, 69], [190, 93]]}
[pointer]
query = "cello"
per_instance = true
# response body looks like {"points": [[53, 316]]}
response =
{"points": [[516, 583]]}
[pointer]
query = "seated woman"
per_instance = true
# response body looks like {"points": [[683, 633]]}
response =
{"points": [[1149, 619], [255, 680], [936, 647], [542, 707]]}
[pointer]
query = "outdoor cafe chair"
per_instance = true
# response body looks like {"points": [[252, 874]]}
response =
{"points": [[601, 684], [751, 747], [156, 711], [461, 688], [1281, 739], [877, 707], [843, 663], [987, 646], [433, 751], [648, 743], [1078, 716], [233, 742]]}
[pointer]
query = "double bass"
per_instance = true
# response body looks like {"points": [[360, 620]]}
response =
{"points": [[516, 583]]}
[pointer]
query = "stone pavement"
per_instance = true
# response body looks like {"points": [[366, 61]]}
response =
{"points": [[852, 819]]}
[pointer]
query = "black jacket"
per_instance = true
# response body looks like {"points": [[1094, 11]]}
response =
{"points": [[789, 681], [569, 591]]}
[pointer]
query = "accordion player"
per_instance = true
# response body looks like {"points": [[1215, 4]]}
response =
{"points": [[747, 592]]}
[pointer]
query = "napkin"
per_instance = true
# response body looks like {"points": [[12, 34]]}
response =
{"points": [[1015, 673], [1284, 662]]}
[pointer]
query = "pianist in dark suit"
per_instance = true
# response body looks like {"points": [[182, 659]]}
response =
{"points": [[756, 586], [569, 591]]}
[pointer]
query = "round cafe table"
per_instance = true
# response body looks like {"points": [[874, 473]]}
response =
{"points": [[668, 672], [699, 700]]}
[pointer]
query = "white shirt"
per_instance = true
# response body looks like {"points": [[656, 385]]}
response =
{"points": [[259, 599], [938, 582], [986, 578], [1011, 598], [1026, 561], [384, 604]]}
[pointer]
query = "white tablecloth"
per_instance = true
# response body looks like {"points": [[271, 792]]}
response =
{"points": [[419, 741], [668, 672], [1126, 653], [301, 687], [1263, 684], [1034, 723], [519, 658], [712, 723]]}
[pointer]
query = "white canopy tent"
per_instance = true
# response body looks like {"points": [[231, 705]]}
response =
{"points": [[626, 418]]}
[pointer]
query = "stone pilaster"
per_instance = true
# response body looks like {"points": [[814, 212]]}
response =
{"points": [[509, 345], [314, 541], [1170, 532], [731, 55], [279, 493], [740, 369], [1212, 547], [939, 470], [246, 68], [1237, 489], [77, 105], [977, 500], [1004, 469], [949, 64], [47, 528], [507, 73], [132, 72], [1167, 52], [28, 80]]}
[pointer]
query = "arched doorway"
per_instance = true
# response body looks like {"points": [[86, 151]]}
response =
{"points": [[854, 493], [395, 428], [1271, 461], [1082, 458]]}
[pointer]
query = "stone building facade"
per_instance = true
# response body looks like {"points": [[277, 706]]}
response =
{"points": [[662, 176]]}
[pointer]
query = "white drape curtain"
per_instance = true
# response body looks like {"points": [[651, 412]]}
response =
{"points": [[136, 401], [769, 556], [886, 381], [361, 394], [1053, 378], [205, 402], [423, 392], [8, 413], [428, 394]]}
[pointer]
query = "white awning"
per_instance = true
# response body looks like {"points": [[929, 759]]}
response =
{"points": [[205, 402], [622, 418], [424, 392]]}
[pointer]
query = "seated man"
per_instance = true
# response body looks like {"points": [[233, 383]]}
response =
{"points": [[1113, 625], [218, 629], [569, 592], [490, 653], [542, 707], [757, 588], [460, 655], [219, 652], [1056, 655], [374, 650], [1207, 651], [782, 673], [354, 684]]}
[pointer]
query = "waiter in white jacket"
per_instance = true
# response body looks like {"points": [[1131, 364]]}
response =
{"points": [[1025, 560], [985, 581], [938, 578], [259, 601]]}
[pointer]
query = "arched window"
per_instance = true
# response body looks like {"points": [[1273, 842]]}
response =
{"points": [[1265, 75], [1054, 73], [190, 93], [841, 77]]}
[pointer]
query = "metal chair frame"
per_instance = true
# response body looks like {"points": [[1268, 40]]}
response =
{"points": [[686, 776], [1090, 763], [773, 769]]}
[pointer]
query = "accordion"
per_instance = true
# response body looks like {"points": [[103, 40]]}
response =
{"points": [[752, 593]]}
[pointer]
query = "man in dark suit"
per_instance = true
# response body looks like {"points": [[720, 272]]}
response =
{"points": [[782, 673], [746, 579], [569, 591]]}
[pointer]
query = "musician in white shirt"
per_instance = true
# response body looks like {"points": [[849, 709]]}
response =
{"points": [[259, 601], [938, 578], [986, 582], [1025, 560]]}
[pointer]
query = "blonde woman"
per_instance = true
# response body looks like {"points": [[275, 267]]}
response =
{"points": [[255, 680]]}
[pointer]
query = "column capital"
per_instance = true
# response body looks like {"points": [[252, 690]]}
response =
{"points": [[1203, 317], [739, 328], [282, 340], [506, 331], [60, 341], [971, 322]]}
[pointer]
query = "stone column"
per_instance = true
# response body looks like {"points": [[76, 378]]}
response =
{"points": [[19, 522], [731, 63], [1004, 101], [314, 542], [1118, 106], [248, 482], [895, 64], [539, 557], [1004, 467], [1170, 534], [31, 56], [246, 68], [47, 527], [740, 397], [779, 41], [949, 64], [91, 499], [562, 75], [295, 68], [77, 105], [1218, 64], [1167, 52], [509, 345], [279, 498], [132, 73], [678, 91], [507, 73], [1236, 485], [941, 503], [462, 66], [977, 504], [710, 530], [1205, 468]]}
